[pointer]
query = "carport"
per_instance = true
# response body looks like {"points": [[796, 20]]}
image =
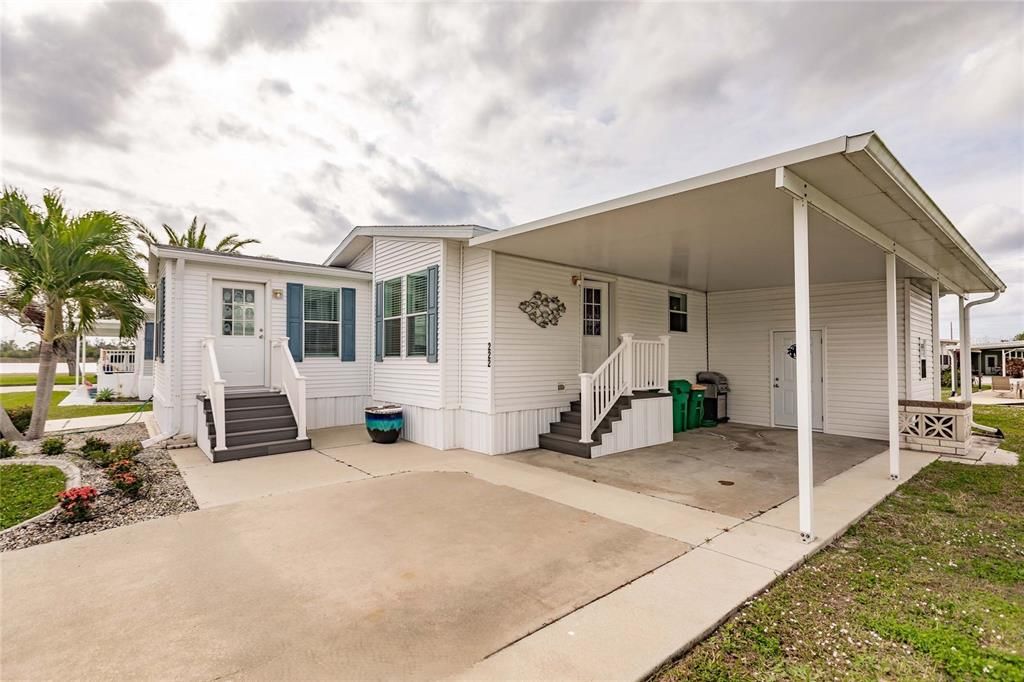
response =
{"points": [[841, 212], [737, 470]]}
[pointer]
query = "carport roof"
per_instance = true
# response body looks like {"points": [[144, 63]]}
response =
{"points": [[732, 229]]}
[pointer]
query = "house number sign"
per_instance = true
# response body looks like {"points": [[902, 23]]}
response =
{"points": [[543, 310]]}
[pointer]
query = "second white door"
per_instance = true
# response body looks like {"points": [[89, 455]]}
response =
{"points": [[784, 352], [238, 329], [595, 324]]}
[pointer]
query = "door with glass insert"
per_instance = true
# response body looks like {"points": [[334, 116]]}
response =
{"points": [[239, 331]]}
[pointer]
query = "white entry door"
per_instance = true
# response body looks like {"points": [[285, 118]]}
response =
{"points": [[596, 335], [784, 352], [238, 328]]}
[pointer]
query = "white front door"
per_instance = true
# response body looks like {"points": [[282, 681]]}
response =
{"points": [[784, 379], [595, 324], [238, 329]]}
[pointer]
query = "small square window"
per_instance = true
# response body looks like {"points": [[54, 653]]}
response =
{"points": [[677, 315]]}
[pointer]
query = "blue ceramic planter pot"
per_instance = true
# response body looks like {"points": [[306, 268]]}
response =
{"points": [[384, 424]]}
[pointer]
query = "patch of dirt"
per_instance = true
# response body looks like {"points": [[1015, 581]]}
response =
{"points": [[165, 494]]}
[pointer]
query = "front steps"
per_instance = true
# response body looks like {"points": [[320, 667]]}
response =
{"points": [[565, 433], [257, 422]]}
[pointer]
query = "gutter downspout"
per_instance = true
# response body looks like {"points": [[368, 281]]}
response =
{"points": [[966, 342], [179, 282]]}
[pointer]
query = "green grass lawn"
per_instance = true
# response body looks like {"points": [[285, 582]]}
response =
{"points": [[929, 586], [10, 400], [27, 490], [30, 379]]}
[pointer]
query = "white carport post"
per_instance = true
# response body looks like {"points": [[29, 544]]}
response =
{"points": [[966, 385], [936, 344], [891, 345], [802, 308]]}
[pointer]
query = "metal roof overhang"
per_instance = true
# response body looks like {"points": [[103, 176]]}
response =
{"points": [[732, 229]]}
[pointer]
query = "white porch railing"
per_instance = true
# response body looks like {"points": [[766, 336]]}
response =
{"points": [[213, 386], [633, 366], [116, 361], [285, 376]]}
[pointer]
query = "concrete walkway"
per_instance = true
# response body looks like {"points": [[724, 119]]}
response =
{"points": [[95, 422], [279, 506]]}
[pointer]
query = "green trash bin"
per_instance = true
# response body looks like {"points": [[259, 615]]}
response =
{"points": [[680, 390], [696, 410]]}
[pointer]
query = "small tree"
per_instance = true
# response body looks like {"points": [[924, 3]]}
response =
{"points": [[54, 259], [194, 238]]}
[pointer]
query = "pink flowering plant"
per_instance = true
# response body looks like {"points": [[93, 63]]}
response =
{"points": [[76, 503]]}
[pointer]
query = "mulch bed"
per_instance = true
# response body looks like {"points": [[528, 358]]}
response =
{"points": [[165, 493]]}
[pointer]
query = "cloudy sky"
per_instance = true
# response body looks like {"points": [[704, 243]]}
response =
{"points": [[292, 121]]}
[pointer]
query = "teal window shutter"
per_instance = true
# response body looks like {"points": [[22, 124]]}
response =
{"points": [[378, 325], [147, 342], [432, 313], [161, 294], [294, 320], [348, 325]]}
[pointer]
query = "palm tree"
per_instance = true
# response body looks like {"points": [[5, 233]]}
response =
{"points": [[52, 258], [194, 238]]}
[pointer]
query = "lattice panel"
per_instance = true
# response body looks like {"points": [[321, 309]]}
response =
{"points": [[937, 426], [909, 425]]}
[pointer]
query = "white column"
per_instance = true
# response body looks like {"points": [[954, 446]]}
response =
{"points": [[966, 385], [952, 373], [802, 308], [936, 344], [586, 407], [666, 356], [892, 366], [1004, 363], [627, 363]]}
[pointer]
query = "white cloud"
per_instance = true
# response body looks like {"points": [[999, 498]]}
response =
{"points": [[301, 118]]}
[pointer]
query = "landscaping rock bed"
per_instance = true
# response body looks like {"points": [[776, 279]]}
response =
{"points": [[165, 492]]}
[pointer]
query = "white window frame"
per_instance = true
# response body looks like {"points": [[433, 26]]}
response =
{"points": [[306, 353], [408, 316], [685, 312], [400, 317]]}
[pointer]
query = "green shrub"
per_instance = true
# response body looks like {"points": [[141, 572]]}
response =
{"points": [[104, 395], [127, 449], [8, 449], [127, 482], [53, 446], [94, 444], [20, 416]]}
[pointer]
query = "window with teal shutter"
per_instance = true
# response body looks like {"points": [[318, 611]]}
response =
{"points": [[322, 322], [416, 314]]}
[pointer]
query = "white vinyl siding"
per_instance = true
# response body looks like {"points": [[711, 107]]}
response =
{"points": [[408, 380], [326, 377], [530, 362], [364, 261], [476, 329], [852, 317], [449, 333], [919, 314]]}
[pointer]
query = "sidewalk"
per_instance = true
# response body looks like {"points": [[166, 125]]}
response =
{"points": [[53, 425]]}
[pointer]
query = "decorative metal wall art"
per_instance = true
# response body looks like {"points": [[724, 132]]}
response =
{"points": [[542, 309], [791, 351]]}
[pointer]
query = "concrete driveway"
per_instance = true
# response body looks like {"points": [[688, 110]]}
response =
{"points": [[732, 469], [410, 575]]}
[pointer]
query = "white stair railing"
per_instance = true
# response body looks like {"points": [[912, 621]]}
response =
{"points": [[633, 365], [285, 376], [213, 386], [116, 361]]}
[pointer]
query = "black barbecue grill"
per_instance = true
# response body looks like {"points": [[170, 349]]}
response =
{"points": [[716, 397]]}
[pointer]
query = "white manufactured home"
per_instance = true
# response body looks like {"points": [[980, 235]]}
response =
{"points": [[563, 333]]}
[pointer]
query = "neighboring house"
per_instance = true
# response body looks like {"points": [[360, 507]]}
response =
{"points": [[987, 359], [488, 339]]}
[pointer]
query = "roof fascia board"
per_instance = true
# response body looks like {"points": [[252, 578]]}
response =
{"points": [[834, 146], [256, 263], [880, 154], [454, 232], [791, 183]]}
